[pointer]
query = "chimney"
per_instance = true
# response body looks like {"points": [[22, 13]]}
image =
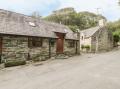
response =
{"points": [[102, 22]]}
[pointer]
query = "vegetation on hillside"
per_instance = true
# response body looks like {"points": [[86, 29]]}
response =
{"points": [[36, 14], [74, 20], [115, 28]]}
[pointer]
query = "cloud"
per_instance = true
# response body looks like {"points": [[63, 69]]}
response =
{"points": [[28, 6], [109, 8]]}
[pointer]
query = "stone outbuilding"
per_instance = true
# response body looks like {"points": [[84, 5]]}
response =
{"points": [[24, 38], [96, 39]]}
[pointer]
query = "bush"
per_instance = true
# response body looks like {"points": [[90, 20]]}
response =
{"points": [[87, 47], [116, 38], [15, 63], [82, 47]]}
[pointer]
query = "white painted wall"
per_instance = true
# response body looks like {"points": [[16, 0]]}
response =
{"points": [[84, 41]]}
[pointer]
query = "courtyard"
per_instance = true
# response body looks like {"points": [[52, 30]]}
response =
{"points": [[89, 71]]}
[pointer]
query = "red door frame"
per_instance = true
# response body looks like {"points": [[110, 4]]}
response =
{"points": [[60, 42]]}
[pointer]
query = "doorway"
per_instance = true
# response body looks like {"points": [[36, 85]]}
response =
{"points": [[60, 43]]}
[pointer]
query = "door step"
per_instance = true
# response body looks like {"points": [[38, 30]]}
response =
{"points": [[2, 66], [61, 56]]}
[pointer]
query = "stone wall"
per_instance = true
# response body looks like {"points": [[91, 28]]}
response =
{"points": [[14, 47], [105, 41], [93, 43], [53, 48], [40, 52], [69, 50]]}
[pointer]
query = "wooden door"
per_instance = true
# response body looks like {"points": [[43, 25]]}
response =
{"points": [[60, 42], [0, 49]]}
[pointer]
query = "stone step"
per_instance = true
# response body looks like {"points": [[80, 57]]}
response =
{"points": [[61, 56], [2, 66]]}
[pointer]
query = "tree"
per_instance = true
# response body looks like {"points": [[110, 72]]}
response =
{"points": [[74, 20], [116, 38], [115, 28], [35, 15]]}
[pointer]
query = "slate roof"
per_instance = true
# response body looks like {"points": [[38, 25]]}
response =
{"points": [[18, 24], [90, 32]]}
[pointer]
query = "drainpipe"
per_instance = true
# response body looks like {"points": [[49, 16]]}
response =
{"points": [[76, 42], [49, 47], [0, 58]]}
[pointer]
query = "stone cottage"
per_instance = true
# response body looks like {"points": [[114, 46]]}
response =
{"points": [[24, 38], [97, 39]]}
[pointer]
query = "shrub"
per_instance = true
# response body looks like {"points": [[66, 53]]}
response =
{"points": [[116, 39], [87, 47], [15, 63], [82, 46]]}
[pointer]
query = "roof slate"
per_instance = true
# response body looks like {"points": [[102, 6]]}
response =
{"points": [[90, 32], [18, 24]]}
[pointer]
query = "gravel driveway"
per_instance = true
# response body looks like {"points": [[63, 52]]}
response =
{"points": [[91, 71]]}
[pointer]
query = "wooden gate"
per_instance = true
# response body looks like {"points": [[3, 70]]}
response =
{"points": [[60, 42]]}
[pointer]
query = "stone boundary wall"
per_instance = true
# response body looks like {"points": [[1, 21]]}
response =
{"points": [[105, 41]]}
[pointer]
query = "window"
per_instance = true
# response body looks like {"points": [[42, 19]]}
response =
{"points": [[82, 38], [35, 42], [94, 38], [71, 44], [52, 42]]}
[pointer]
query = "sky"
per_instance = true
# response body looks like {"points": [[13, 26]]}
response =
{"points": [[108, 8]]}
